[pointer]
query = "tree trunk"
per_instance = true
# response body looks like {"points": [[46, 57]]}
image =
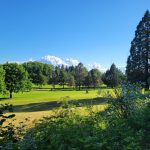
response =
{"points": [[146, 86], [10, 95], [79, 87], [147, 67]]}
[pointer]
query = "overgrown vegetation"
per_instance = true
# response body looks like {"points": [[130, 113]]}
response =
{"points": [[123, 125]]}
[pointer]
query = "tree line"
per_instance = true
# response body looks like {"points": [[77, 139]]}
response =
{"points": [[20, 77]]}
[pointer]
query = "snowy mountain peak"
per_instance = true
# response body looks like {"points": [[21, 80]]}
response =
{"points": [[56, 61]]}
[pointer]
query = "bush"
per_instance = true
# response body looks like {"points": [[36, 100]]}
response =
{"points": [[10, 134], [65, 130], [124, 125]]}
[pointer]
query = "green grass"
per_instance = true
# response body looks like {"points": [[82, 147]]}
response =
{"points": [[45, 100], [47, 96], [38, 103]]}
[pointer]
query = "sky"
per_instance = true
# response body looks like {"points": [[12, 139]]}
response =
{"points": [[91, 31]]}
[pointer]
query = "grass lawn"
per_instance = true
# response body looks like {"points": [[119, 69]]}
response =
{"points": [[38, 103], [47, 96]]}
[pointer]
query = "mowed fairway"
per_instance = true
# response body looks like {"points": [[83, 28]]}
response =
{"points": [[38, 103], [41, 96]]}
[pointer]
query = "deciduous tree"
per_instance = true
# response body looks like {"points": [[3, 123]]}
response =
{"points": [[15, 74]]}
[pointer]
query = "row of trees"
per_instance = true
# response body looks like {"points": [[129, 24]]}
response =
{"points": [[20, 77], [73, 76], [77, 76]]}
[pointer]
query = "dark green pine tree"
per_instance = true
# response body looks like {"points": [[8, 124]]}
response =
{"points": [[62, 76], [138, 68]]}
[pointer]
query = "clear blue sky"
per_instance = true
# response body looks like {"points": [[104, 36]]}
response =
{"points": [[88, 30]]}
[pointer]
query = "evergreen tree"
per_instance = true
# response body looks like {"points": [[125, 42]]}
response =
{"points": [[113, 77], [138, 68], [95, 77], [62, 76], [2, 79], [55, 76], [71, 80], [80, 74], [88, 80]]}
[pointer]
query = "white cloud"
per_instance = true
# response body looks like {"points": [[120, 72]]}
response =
{"points": [[30, 60], [52, 60], [21, 62], [72, 62], [96, 66], [122, 68], [56, 61], [103, 69]]}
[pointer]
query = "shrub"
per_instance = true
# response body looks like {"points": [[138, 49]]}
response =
{"points": [[67, 129], [124, 125]]}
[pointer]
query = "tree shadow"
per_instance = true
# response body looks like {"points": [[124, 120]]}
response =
{"points": [[4, 98], [45, 106], [69, 89]]}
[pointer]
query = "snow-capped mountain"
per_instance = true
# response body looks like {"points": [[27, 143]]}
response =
{"points": [[56, 61]]}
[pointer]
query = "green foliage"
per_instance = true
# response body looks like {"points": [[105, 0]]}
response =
{"points": [[39, 73], [125, 118], [6, 131], [138, 61], [14, 77], [3, 109], [66, 129], [63, 76], [80, 74], [128, 100], [27, 85], [2, 79], [93, 79], [71, 80], [148, 80], [10, 134], [124, 125], [113, 77]]}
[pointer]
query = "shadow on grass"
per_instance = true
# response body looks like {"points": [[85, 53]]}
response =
{"points": [[69, 89], [4, 98], [45, 106]]}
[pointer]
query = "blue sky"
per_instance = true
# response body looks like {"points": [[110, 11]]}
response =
{"points": [[87, 30]]}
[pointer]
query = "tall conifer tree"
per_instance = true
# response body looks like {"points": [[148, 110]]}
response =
{"points": [[138, 67]]}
